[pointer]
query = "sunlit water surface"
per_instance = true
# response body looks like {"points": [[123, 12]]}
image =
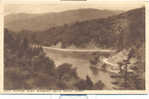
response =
{"points": [[80, 61]]}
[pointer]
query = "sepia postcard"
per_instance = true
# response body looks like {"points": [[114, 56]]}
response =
{"points": [[74, 47]]}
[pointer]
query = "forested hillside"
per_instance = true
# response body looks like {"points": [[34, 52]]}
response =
{"points": [[40, 22], [119, 31]]}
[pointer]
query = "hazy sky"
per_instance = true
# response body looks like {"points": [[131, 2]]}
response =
{"points": [[38, 7]]}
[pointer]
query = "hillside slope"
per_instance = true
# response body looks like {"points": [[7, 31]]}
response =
{"points": [[40, 22], [120, 31]]}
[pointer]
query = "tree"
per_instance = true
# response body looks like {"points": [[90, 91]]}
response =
{"points": [[89, 82], [130, 78], [98, 86]]}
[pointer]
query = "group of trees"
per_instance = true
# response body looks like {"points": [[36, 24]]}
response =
{"points": [[27, 67], [120, 31], [131, 75]]}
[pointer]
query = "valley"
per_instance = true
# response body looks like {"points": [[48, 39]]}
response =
{"points": [[80, 60]]}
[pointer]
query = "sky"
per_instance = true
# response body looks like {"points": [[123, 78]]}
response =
{"points": [[57, 6]]}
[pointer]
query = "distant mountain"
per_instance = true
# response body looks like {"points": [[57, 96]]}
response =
{"points": [[119, 31], [41, 22]]}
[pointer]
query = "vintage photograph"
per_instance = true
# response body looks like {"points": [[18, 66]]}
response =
{"points": [[74, 46]]}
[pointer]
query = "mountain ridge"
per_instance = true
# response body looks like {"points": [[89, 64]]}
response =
{"points": [[120, 31], [40, 22]]}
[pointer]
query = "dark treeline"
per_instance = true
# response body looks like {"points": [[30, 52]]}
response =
{"points": [[118, 32], [27, 67]]}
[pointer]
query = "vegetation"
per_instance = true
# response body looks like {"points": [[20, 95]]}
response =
{"points": [[27, 67], [131, 75], [118, 32]]}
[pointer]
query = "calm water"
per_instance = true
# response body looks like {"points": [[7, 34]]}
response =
{"points": [[81, 61]]}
